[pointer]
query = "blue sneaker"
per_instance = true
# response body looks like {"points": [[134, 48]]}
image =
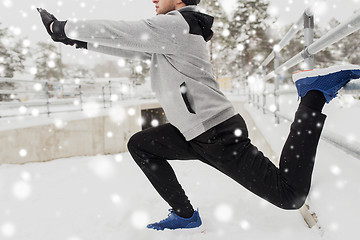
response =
{"points": [[328, 80], [173, 221]]}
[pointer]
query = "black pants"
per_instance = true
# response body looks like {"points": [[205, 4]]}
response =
{"points": [[233, 154]]}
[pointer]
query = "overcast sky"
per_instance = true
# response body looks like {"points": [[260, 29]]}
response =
{"points": [[23, 19]]}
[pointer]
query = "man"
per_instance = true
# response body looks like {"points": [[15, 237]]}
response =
{"points": [[203, 123]]}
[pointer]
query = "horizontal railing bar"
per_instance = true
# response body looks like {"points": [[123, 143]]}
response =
{"points": [[43, 82], [16, 104], [284, 92], [13, 80], [86, 92], [287, 38], [40, 113], [18, 92], [285, 66], [341, 31], [268, 60]]}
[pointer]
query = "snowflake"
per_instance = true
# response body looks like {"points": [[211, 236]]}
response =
{"points": [[59, 123], [238, 132], [139, 219], [335, 170], [37, 87], [22, 190], [131, 111], [240, 47], [223, 213], [23, 153], [51, 64], [155, 123], [8, 230], [139, 69], [119, 158], [22, 110], [252, 18], [35, 112], [7, 3], [245, 225], [277, 48], [114, 97], [121, 62], [272, 108], [226, 33], [102, 168], [116, 199]]}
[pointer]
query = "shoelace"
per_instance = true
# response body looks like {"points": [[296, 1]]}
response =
{"points": [[171, 212]]}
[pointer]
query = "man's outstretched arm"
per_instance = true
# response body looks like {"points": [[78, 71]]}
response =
{"points": [[107, 50], [119, 52], [160, 34]]}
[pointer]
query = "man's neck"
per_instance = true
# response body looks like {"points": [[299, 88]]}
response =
{"points": [[181, 5]]}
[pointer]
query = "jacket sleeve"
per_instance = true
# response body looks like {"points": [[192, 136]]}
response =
{"points": [[160, 34], [119, 52]]}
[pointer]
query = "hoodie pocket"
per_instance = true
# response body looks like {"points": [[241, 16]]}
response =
{"points": [[183, 91]]}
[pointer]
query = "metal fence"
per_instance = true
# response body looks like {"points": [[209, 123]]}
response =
{"points": [[36, 97], [305, 22]]}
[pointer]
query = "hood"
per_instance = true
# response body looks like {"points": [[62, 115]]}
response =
{"points": [[199, 23]]}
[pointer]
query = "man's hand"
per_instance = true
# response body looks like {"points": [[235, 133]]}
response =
{"points": [[56, 29], [47, 19]]}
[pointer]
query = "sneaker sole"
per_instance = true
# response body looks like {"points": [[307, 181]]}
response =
{"points": [[322, 72], [189, 226]]}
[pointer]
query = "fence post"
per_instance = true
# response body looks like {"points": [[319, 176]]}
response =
{"points": [[308, 38], [276, 88], [103, 93], [121, 91], [80, 96], [263, 72], [47, 98], [110, 94], [248, 92]]}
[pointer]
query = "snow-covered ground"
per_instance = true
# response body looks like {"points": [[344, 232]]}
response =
{"points": [[108, 197], [335, 189]]}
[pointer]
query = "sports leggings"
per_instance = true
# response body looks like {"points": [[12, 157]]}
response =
{"points": [[227, 148]]}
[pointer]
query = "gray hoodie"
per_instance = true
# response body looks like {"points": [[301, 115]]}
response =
{"points": [[181, 72]]}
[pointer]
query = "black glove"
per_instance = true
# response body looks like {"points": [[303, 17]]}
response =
{"points": [[58, 34], [71, 42]]}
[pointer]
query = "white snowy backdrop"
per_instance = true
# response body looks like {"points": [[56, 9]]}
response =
{"points": [[107, 197]]}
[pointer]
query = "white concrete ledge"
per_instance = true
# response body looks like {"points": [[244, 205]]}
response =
{"points": [[45, 139], [77, 134]]}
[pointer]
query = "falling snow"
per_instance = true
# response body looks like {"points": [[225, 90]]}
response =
{"points": [[119, 207]]}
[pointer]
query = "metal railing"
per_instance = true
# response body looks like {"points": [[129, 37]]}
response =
{"points": [[307, 55], [33, 98]]}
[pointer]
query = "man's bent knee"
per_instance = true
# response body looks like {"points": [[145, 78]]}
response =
{"points": [[134, 142], [293, 203]]}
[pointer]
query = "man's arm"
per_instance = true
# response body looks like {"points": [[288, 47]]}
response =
{"points": [[115, 51], [119, 52], [160, 34]]}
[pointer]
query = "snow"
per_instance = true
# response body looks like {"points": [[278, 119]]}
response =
{"points": [[108, 197], [335, 190]]}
